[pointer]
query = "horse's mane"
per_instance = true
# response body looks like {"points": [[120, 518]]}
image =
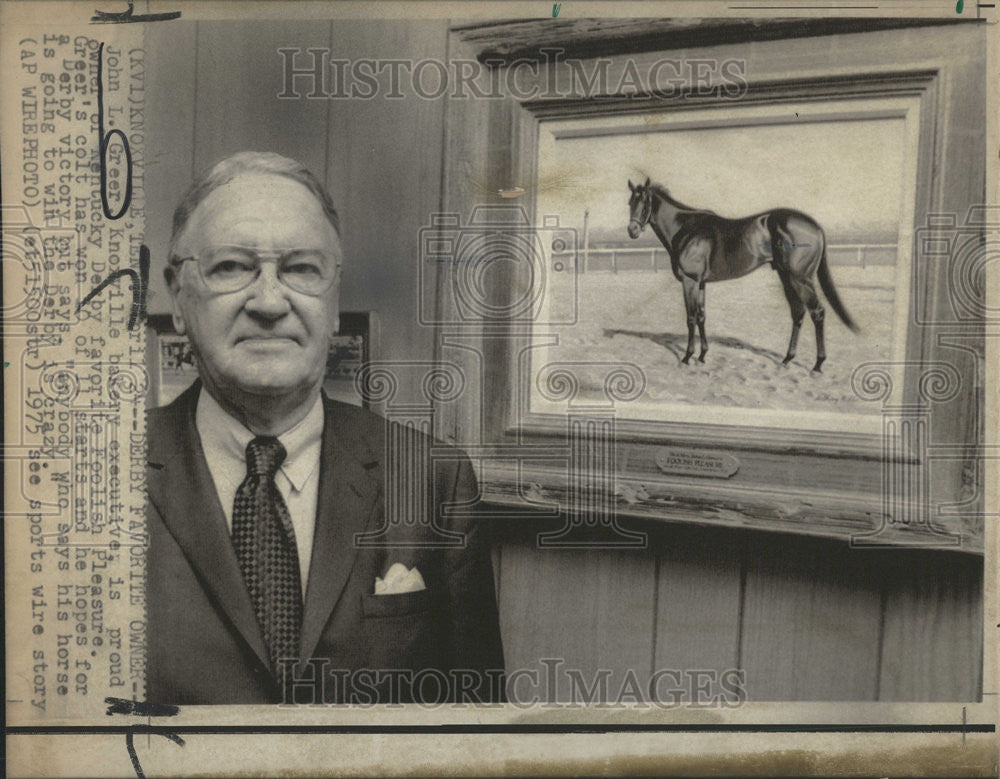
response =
{"points": [[661, 191]]}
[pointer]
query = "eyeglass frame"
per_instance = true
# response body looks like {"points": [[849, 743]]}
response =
{"points": [[274, 256]]}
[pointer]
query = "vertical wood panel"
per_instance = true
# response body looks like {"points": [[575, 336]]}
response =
{"points": [[465, 178], [169, 158], [590, 609], [811, 620], [385, 158], [698, 599], [239, 78], [932, 649]]}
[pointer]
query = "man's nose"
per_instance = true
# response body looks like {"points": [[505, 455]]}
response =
{"points": [[268, 296]]}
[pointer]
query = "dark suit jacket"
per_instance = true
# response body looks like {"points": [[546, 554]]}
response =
{"points": [[203, 641]]}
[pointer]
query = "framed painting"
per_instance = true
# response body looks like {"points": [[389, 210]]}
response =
{"points": [[760, 163], [747, 298]]}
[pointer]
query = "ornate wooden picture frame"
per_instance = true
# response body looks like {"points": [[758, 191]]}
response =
{"points": [[909, 475]]}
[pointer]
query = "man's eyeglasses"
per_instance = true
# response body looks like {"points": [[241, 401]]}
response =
{"points": [[232, 268]]}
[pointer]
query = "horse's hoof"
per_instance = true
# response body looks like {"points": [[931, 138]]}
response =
{"points": [[686, 360], [787, 359], [816, 371], [702, 359]]}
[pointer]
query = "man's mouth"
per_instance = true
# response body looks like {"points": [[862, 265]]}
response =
{"points": [[265, 339]]}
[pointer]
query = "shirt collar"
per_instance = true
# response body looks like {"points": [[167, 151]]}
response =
{"points": [[222, 433]]}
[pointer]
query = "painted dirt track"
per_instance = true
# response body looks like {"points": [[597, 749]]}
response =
{"points": [[639, 317]]}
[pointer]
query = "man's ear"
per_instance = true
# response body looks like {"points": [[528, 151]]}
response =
{"points": [[172, 275], [336, 324]]}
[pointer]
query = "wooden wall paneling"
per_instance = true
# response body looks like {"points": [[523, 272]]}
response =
{"points": [[385, 162], [169, 142], [933, 628], [467, 181], [811, 620], [932, 645], [496, 553], [698, 586], [590, 609], [240, 75], [962, 182]]}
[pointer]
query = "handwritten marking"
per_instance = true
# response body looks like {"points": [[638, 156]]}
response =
{"points": [[105, 141], [959, 6], [147, 709], [555, 9], [130, 745], [140, 280], [785, 244], [140, 284], [140, 708], [130, 17]]}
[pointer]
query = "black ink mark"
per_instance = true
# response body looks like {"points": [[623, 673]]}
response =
{"points": [[130, 745], [140, 283], [140, 708], [105, 141], [129, 16]]}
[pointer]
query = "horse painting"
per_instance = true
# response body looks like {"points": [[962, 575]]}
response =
{"points": [[705, 247]]}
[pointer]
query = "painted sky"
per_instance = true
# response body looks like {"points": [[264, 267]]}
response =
{"points": [[846, 174]]}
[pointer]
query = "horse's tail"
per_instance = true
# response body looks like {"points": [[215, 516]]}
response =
{"points": [[826, 282]]}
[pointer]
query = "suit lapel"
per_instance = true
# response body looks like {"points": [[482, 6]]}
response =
{"points": [[181, 487], [348, 488]]}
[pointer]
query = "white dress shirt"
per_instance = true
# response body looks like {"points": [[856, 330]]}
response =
{"points": [[224, 441]]}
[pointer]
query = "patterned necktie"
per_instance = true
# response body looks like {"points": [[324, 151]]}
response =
{"points": [[265, 547]]}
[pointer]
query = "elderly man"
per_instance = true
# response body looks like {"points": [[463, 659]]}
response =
{"points": [[261, 489]]}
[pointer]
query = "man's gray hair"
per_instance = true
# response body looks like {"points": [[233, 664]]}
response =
{"points": [[250, 162]]}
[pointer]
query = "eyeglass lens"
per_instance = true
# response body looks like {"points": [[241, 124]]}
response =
{"points": [[231, 268]]}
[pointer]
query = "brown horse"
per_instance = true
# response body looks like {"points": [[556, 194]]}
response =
{"points": [[705, 247]]}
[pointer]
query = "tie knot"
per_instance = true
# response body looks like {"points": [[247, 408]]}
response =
{"points": [[265, 454]]}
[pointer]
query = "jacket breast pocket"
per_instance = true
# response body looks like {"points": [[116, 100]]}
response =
{"points": [[404, 631], [399, 604]]}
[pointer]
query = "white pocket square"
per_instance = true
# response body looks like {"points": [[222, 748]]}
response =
{"points": [[399, 579]]}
